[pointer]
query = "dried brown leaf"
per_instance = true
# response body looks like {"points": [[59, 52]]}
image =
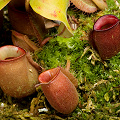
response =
{"points": [[23, 41]]}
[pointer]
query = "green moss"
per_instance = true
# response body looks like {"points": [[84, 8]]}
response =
{"points": [[59, 50]]}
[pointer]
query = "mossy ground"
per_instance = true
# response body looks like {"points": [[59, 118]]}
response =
{"points": [[99, 82]]}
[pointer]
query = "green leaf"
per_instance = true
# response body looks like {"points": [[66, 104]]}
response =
{"points": [[63, 32], [3, 3], [52, 9], [106, 97]]}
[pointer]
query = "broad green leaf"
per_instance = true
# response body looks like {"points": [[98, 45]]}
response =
{"points": [[3, 3], [52, 9]]}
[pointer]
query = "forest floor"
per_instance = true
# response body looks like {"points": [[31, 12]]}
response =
{"points": [[98, 81]]}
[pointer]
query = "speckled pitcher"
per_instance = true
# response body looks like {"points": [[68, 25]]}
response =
{"points": [[18, 72], [105, 37], [59, 89]]}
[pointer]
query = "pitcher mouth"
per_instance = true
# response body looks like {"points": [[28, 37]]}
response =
{"points": [[48, 76], [11, 52], [105, 22]]}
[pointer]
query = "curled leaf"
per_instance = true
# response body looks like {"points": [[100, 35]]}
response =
{"points": [[3, 3], [63, 31], [52, 9], [49, 23], [101, 4], [23, 41]]}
